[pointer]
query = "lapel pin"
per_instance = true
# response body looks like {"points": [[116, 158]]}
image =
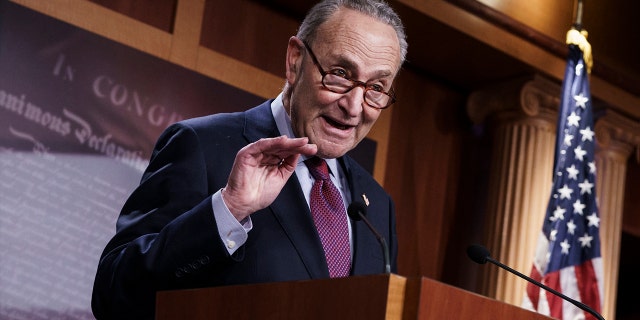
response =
{"points": [[366, 200]]}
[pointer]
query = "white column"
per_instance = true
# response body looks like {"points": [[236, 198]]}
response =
{"points": [[617, 137], [522, 116]]}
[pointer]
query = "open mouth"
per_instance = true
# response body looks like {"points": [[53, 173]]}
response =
{"points": [[338, 125]]}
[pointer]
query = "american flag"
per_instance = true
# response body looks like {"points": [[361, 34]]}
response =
{"points": [[567, 256]]}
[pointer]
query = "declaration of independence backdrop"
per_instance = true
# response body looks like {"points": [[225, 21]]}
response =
{"points": [[79, 115]]}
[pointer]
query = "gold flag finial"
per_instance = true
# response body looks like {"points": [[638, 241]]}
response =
{"points": [[579, 38]]}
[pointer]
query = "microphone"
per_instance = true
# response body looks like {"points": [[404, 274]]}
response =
{"points": [[481, 255], [357, 211]]}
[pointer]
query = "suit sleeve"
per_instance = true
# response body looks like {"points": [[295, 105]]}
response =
{"points": [[166, 235]]}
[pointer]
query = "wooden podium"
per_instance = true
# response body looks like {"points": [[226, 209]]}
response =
{"points": [[361, 297]]}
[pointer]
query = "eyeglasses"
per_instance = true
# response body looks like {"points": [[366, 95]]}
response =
{"points": [[336, 80]]}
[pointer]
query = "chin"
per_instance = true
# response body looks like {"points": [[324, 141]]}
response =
{"points": [[330, 147], [331, 152]]}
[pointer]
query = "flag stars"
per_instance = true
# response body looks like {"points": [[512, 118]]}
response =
{"points": [[565, 246], [581, 100], [571, 227], [594, 221], [558, 214], [585, 187], [587, 134], [585, 241], [565, 192], [573, 119], [568, 138], [592, 167], [579, 153], [573, 172], [578, 207], [552, 236]]}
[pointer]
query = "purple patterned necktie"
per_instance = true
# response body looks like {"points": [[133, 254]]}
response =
{"points": [[330, 218]]}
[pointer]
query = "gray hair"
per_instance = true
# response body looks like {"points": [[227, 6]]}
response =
{"points": [[376, 9]]}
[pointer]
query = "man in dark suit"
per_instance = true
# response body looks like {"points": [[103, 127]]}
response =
{"points": [[226, 198]]}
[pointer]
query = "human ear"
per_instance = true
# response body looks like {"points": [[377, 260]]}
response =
{"points": [[293, 59]]}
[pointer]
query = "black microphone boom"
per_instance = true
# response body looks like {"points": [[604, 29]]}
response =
{"points": [[357, 211], [481, 255]]}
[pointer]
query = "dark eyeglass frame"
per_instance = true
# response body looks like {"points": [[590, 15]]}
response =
{"points": [[354, 83]]}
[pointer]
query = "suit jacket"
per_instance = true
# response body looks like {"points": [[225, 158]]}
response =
{"points": [[167, 236]]}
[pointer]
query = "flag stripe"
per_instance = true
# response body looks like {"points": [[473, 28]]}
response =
{"points": [[588, 285], [533, 290], [552, 280]]}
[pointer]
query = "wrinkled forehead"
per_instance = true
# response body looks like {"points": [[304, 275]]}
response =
{"points": [[349, 34]]}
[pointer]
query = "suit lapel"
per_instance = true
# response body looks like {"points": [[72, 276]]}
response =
{"points": [[292, 211], [364, 241]]}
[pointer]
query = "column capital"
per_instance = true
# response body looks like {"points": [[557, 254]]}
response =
{"points": [[521, 98], [617, 134]]}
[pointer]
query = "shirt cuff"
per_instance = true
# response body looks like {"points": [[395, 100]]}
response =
{"points": [[233, 233]]}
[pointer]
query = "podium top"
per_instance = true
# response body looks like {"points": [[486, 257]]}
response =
{"points": [[360, 297]]}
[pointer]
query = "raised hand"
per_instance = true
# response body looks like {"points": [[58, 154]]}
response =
{"points": [[260, 171]]}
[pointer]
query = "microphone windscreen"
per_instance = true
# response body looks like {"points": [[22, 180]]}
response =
{"points": [[478, 253], [356, 207]]}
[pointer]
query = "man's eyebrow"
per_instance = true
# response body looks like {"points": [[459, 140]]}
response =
{"points": [[352, 66]]}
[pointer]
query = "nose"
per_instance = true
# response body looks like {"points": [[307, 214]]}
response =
{"points": [[352, 102]]}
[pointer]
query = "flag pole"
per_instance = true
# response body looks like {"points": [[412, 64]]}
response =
{"points": [[578, 36], [577, 24]]}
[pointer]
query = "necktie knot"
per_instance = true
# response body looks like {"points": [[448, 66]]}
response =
{"points": [[318, 168]]}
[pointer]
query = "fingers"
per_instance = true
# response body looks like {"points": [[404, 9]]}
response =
{"points": [[280, 151], [286, 146]]}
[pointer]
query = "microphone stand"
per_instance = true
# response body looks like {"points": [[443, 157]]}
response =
{"points": [[383, 243]]}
